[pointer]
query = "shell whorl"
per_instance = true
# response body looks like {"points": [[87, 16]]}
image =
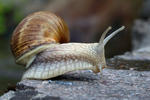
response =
{"points": [[37, 30]]}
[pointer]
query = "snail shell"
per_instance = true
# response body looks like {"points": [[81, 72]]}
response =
{"points": [[37, 30], [40, 43]]}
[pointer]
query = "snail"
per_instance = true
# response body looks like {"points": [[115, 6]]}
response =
{"points": [[40, 42]]}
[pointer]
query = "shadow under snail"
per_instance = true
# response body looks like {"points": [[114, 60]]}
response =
{"points": [[40, 42]]}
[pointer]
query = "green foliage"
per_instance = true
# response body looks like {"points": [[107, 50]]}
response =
{"points": [[2, 19], [17, 16], [7, 7], [2, 24]]}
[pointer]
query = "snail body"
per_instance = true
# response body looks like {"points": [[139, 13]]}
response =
{"points": [[53, 56]]}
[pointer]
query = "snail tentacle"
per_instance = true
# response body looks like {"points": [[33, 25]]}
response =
{"points": [[113, 34]]}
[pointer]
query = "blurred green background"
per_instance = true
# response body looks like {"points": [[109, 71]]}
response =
{"points": [[86, 20]]}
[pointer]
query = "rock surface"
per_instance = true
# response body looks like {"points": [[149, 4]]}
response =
{"points": [[137, 60], [85, 85]]}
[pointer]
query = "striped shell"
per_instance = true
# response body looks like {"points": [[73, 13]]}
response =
{"points": [[37, 29]]}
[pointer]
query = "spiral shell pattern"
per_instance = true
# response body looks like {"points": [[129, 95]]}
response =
{"points": [[38, 29]]}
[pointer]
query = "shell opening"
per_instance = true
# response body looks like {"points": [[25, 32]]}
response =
{"points": [[29, 57]]}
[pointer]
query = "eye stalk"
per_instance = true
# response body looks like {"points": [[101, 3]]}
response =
{"points": [[112, 35], [103, 41]]}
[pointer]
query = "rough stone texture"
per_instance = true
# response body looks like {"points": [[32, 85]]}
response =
{"points": [[85, 85], [7, 96]]}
